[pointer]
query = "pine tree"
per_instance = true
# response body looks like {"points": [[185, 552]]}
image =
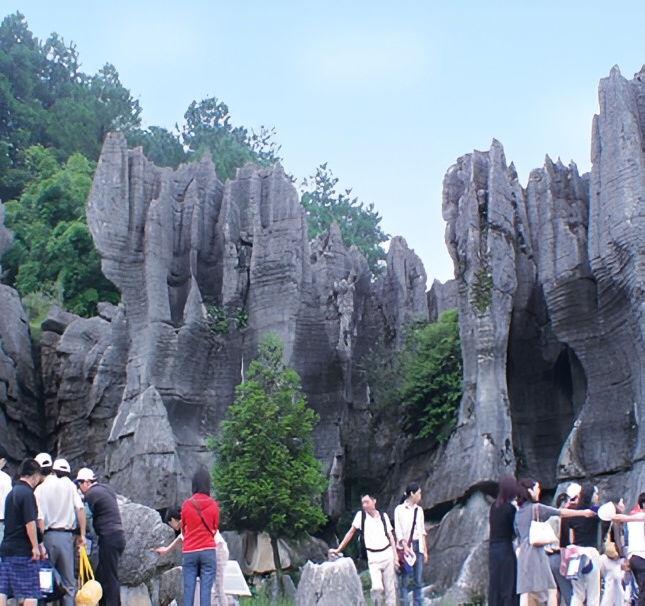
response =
{"points": [[266, 477]]}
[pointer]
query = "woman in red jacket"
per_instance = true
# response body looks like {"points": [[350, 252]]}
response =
{"points": [[199, 522]]}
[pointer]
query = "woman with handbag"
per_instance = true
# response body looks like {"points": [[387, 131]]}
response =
{"points": [[502, 562], [199, 525], [534, 577]]}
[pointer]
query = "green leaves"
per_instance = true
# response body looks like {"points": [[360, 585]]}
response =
{"points": [[45, 99], [266, 477], [359, 223], [53, 250], [423, 381]]}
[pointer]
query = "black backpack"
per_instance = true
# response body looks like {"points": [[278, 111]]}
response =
{"points": [[363, 548]]}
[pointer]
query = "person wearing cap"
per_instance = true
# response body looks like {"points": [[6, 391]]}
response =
{"points": [[22, 549], [108, 526], [45, 462], [60, 515], [5, 487]]}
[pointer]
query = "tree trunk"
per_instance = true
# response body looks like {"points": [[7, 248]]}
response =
{"points": [[278, 565]]}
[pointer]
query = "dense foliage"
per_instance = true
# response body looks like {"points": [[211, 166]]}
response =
{"points": [[266, 477], [359, 224], [53, 120], [46, 100], [424, 381], [53, 251]]}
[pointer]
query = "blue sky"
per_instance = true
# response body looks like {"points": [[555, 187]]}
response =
{"points": [[389, 94]]}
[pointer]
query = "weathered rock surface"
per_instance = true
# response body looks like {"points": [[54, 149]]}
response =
{"points": [[144, 530], [136, 596], [178, 242], [442, 297], [463, 531], [330, 584], [550, 284], [83, 370], [22, 424], [480, 197]]}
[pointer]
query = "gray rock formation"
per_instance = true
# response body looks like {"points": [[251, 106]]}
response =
{"points": [[22, 423], [330, 584], [179, 245], [83, 371], [442, 297], [550, 299], [144, 530], [463, 572], [480, 197]]}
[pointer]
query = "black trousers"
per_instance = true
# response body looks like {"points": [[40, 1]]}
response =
{"points": [[110, 549], [637, 565], [502, 571]]}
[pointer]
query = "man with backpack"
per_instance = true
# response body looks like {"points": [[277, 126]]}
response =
{"points": [[378, 543]]}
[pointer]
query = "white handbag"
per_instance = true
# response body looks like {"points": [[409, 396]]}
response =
{"points": [[540, 533]]}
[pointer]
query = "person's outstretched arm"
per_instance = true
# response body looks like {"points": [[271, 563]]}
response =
{"points": [[345, 541]]}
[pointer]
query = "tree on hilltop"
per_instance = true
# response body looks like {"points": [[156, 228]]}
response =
{"points": [[359, 223]]}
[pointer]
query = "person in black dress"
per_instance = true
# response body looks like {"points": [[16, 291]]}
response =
{"points": [[502, 563]]}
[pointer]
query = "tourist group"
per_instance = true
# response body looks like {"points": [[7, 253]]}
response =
{"points": [[578, 552], [46, 517]]}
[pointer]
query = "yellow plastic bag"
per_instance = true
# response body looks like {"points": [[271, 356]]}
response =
{"points": [[89, 591]]}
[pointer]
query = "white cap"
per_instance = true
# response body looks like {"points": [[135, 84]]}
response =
{"points": [[86, 474], [61, 465], [43, 459], [573, 490]]}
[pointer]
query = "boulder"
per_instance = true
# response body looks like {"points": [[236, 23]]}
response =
{"points": [[171, 586], [142, 445], [135, 596], [144, 530], [462, 542], [57, 320], [330, 584]]}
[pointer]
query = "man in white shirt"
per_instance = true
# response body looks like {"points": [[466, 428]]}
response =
{"points": [[5, 488], [377, 538], [409, 524], [61, 513]]}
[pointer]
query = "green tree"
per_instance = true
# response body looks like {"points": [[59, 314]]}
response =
{"points": [[359, 223], [53, 250], [46, 100], [159, 145], [432, 378], [208, 129], [421, 384], [266, 477]]}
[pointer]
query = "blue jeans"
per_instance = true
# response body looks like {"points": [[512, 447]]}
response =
{"points": [[202, 564], [414, 579]]}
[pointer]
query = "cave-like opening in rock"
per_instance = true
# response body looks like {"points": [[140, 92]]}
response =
{"points": [[547, 387]]}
